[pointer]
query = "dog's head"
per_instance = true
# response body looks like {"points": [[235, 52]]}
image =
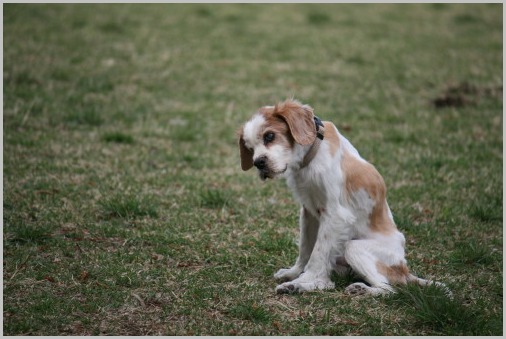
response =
{"points": [[268, 139]]}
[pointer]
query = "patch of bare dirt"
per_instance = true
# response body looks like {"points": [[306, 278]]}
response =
{"points": [[465, 94]]}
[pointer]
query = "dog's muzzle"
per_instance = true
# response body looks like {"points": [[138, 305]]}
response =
{"points": [[261, 163], [263, 168]]}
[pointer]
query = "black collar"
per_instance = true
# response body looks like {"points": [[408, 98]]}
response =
{"points": [[318, 123]]}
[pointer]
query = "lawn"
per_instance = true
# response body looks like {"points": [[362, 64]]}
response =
{"points": [[126, 212]]}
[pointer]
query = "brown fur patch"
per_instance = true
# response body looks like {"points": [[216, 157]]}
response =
{"points": [[299, 119], [379, 219], [331, 137], [273, 123], [278, 126], [246, 154], [362, 175], [396, 274]]}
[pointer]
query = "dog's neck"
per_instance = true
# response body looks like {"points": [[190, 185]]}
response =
{"points": [[320, 134]]}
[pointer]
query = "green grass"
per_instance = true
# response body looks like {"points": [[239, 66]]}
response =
{"points": [[471, 253], [213, 198], [125, 211], [433, 309], [118, 137], [128, 207]]}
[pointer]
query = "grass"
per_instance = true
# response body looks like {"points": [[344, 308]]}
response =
{"points": [[432, 308], [128, 207], [118, 137], [125, 209]]}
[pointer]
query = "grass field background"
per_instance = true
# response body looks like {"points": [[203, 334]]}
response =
{"points": [[125, 211]]}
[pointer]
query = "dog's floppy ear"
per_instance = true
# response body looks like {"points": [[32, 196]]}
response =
{"points": [[299, 119], [246, 153]]}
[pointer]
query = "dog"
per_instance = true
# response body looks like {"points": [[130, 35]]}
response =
{"points": [[345, 221]]}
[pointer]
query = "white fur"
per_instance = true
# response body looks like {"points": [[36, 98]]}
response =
{"points": [[335, 230]]}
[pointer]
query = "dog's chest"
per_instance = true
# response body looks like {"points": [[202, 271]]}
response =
{"points": [[311, 192]]}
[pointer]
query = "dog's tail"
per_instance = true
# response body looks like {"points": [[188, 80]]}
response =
{"points": [[424, 282]]}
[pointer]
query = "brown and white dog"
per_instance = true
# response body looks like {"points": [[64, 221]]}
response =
{"points": [[345, 221]]}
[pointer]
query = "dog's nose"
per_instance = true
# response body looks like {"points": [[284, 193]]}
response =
{"points": [[260, 163]]}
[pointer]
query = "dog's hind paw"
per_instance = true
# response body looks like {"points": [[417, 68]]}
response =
{"points": [[286, 289], [357, 289], [298, 286], [361, 289]]}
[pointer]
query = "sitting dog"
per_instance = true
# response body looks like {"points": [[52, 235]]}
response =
{"points": [[345, 221]]}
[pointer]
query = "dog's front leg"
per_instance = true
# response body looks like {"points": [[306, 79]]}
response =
{"points": [[328, 246], [308, 233]]}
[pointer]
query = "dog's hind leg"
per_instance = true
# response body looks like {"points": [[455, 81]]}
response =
{"points": [[363, 257]]}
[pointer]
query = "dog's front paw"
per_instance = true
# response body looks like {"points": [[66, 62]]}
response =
{"points": [[287, 274], [300, 286]]}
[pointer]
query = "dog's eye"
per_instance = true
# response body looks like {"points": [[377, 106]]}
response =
{"points": [[269, 137]]}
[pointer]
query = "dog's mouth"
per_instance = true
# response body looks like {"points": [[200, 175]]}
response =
{"points": [[266, 173]]}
